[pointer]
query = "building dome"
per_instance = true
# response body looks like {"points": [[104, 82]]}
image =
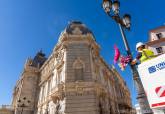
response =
{"points": [[77, 28]]}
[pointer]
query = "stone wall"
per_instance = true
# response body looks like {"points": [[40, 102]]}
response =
{"points": [[78, 54]]}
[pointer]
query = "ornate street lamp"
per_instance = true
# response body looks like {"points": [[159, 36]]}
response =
{"points": [[127, 21], [112, 10], [23, 103], [116, 7], [107, 6]]}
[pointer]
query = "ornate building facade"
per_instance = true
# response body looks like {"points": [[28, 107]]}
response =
{"points": [[74, 79]]}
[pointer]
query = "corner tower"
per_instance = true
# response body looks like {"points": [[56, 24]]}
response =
{"points": [[79, 42], [26, 89], [78, 46]]}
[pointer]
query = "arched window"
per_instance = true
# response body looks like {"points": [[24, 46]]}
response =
{"points": [[78, 69]]}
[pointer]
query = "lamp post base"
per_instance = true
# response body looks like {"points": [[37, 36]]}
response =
{"points": [[141, 96], [143, 103]]}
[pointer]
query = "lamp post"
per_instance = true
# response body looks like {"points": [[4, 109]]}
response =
{"points": [[23, 103], [112, 9]]}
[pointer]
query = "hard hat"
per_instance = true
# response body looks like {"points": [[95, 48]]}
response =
{"points": [[139, 44]]}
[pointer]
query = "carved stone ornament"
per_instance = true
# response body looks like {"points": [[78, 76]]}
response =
{"points": [[77, 31], [79, 90], [59, 94], [60, 56], [55, 98], [58, 108]]}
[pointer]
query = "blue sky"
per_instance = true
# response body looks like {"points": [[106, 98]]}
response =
{"points": [[26, 26]]}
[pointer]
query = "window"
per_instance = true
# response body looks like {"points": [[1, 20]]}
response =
{"points": [[59, 76], [159, 35], [48, 91], [79, 73], [42, 95], [78, 69], [159, 50], [102, 76]]}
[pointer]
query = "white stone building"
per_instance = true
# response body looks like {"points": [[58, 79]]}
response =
{"points": [[74, 79], [157, 40]]}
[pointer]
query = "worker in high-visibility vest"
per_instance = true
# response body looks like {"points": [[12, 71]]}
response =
{"points": [[143, 53]]}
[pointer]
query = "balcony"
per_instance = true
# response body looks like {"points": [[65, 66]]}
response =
{"points": [[57, 92], [151, 43]]}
